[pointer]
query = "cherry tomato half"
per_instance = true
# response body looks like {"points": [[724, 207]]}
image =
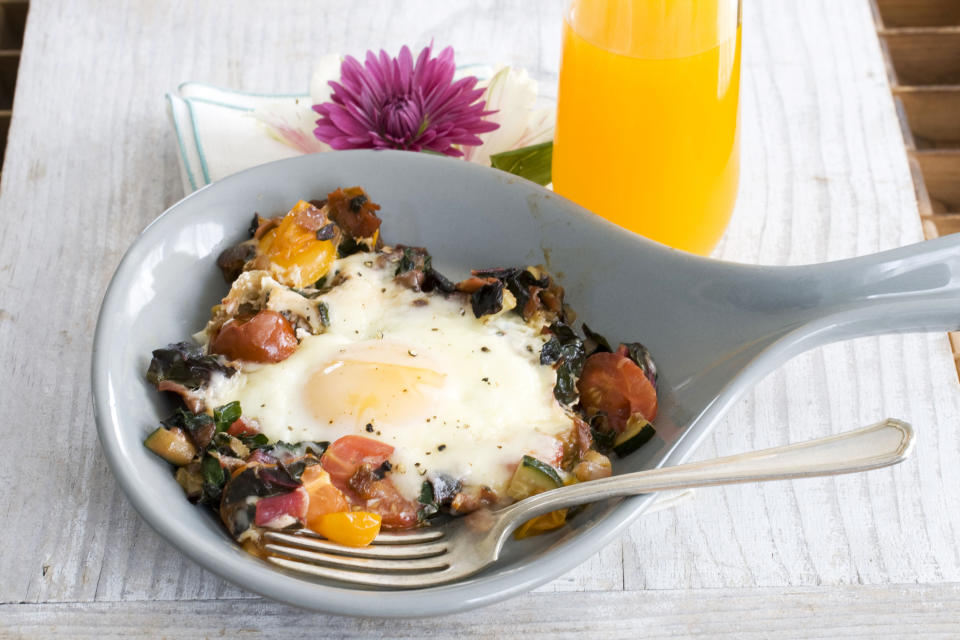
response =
{"points": [[614, 384], [266, 337], [342, 458]]}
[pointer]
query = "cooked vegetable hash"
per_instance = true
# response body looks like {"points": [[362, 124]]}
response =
{"points": [[343, 385]]}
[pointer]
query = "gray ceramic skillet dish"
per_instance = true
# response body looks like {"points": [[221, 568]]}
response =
{"points": [[714, 328]]}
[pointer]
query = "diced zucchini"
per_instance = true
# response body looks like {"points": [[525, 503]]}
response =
{"points": [[532, 476], [172, 445], [638, 433], [191, 480]]}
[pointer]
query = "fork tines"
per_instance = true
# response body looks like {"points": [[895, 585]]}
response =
{"points": [[398, 560]]}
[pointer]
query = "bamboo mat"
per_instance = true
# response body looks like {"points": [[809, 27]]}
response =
{"points": [[921, 44], [13, 19]]}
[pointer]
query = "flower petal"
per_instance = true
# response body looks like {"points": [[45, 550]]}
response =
{"points": [[511, 94], [291, 124], [326, 69]]}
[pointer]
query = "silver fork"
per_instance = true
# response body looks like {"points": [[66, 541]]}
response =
{"points": [[435, 555]]}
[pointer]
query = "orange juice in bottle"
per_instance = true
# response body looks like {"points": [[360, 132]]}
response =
{"points": [[648, 113]]}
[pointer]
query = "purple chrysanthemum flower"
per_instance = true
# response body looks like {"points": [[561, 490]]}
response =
{"points": [[392, 103]]}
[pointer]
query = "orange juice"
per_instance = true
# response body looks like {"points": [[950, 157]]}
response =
{"points": [[647, 116]]}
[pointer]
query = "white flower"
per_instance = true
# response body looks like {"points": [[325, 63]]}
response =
{"points": [[292, 122], [513, 94]]}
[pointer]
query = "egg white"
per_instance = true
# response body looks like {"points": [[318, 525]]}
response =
{"points": [[455, 395]]}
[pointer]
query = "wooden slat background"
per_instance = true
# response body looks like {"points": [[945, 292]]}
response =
{"points": [[921, 47], [13, 18], [91, 161]]}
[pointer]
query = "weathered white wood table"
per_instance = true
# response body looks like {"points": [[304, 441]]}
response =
{"points": [[91, 161]]}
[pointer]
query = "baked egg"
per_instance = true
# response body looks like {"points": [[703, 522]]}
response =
{"points": [[455, 395]]}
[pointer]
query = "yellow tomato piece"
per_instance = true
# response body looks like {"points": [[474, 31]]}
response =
{"points": [[352, 528], [297, 258], [541, 524], [324, 497]]}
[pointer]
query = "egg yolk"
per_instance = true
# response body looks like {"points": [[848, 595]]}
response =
{"points": [[297, 258], [365, 392]]}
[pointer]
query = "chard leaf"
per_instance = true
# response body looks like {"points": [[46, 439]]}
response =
{"points": [[213, 479], [288, 453], [603, 435], [295, 469], [406, 262], [595, 343], [565, 348], [433, 280], [187, 420], [639, 354], [256, 441], [226, 415], [488, 299], [443, 488], [349, 246], [565, 345], [532, 163], [426, 493], [184, 363], [566, 388], [428, 504], [550, 352]]}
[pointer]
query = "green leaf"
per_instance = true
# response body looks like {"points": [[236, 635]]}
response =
{"points": [[426, 493], [255, 441], [406, 262], [192, 422], [566, 388], [532, 163], [428, 503], [213, 479], [226, 415], [184, 363], [603, 434]]}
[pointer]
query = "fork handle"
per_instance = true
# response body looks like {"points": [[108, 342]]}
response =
{"points": [[879, 445]]}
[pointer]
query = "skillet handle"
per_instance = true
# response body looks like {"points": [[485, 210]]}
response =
{"points": [[909, 289]]}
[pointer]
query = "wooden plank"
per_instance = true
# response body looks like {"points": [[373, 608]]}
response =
{"points": [[894, 611]]}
